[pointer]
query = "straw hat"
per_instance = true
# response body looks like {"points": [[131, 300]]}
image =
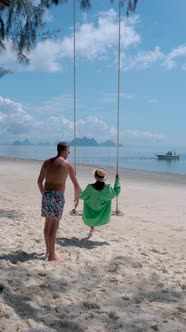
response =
{"points": [[100, 174]]}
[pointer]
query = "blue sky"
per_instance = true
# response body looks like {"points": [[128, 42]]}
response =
{"points": [[36, 101]]}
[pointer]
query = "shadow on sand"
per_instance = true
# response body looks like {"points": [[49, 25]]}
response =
{"points": [[85, 242], [22, 256], [10, 214]]}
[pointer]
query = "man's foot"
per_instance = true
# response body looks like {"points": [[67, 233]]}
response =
{"points": [[54, 258]]}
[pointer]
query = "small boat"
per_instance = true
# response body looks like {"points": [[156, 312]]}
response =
{"points": [[169, 156]]}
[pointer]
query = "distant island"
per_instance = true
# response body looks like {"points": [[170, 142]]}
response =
{"points": [[92, 142], [84, 141], [24, 142]]}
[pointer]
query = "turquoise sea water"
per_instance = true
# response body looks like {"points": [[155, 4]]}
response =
{"points": [[103, 156]]}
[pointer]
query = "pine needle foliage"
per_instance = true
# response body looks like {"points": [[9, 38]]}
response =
{"points": [[21, 22]]}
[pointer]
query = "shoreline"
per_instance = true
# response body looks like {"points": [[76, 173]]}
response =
{"points": [[166, 177], [129, 159]]}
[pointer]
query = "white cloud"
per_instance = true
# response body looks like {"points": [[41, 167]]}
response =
{"points": [[8, 58], [18, 124], [94, 127], [97, 40], [48, 17], [56, 106], [13, 120], [170, 60], [142, 60], [93, 41], [46, 56], [144, 134], [108, 98]]}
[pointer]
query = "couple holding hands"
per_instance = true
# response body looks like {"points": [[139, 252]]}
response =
{"points": [[97, 196]]}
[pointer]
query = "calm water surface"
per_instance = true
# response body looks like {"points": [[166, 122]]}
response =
{"points": [[103, 156]]}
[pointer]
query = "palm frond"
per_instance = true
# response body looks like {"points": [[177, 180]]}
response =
{"points": [[5, 2], [4, 71], [130, 5], [21, 20]]}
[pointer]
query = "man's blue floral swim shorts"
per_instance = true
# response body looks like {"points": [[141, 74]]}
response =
{"points": [[52, 204]]}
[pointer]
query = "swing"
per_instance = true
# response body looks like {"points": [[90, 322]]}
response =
{"points": [[117, 211]]}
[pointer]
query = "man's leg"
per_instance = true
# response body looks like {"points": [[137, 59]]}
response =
{"points": [[47, 228], [52, 240]]}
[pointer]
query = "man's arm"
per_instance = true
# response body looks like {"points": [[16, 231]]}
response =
{"points": [[75, 183], [41, 179]]}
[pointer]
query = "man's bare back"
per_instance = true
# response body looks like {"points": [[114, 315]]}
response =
{"points": [[56, 171]]}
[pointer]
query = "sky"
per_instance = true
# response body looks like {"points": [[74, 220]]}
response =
{"points": [[37, 103]]}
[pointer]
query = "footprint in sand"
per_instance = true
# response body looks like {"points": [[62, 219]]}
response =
{"points": [[91, 305], [181, 309], [113, 315]]}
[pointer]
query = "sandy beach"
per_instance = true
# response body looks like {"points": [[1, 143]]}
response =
{"points": [[130, 276]]}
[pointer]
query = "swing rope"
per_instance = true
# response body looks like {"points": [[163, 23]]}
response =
{"points": [[74, 97], [118, 101], [74, 23], [74, 211]]}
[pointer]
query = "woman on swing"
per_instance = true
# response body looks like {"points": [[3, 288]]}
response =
{"points": [[97, 200]]}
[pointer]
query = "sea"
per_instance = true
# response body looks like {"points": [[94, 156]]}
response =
{"points": [[129, 157]]}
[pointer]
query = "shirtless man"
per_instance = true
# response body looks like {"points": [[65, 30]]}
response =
{"points": [[51, 183]]}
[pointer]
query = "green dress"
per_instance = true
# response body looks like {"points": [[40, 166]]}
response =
{"points": [[97, 203]]}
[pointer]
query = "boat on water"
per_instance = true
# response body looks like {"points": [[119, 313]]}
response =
{"points": [[170, 155]]}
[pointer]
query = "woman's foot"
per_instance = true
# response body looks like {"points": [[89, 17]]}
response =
{"points": [[92, 229]]}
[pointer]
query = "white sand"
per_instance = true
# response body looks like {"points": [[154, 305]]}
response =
{"points": [[130, 276]]}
